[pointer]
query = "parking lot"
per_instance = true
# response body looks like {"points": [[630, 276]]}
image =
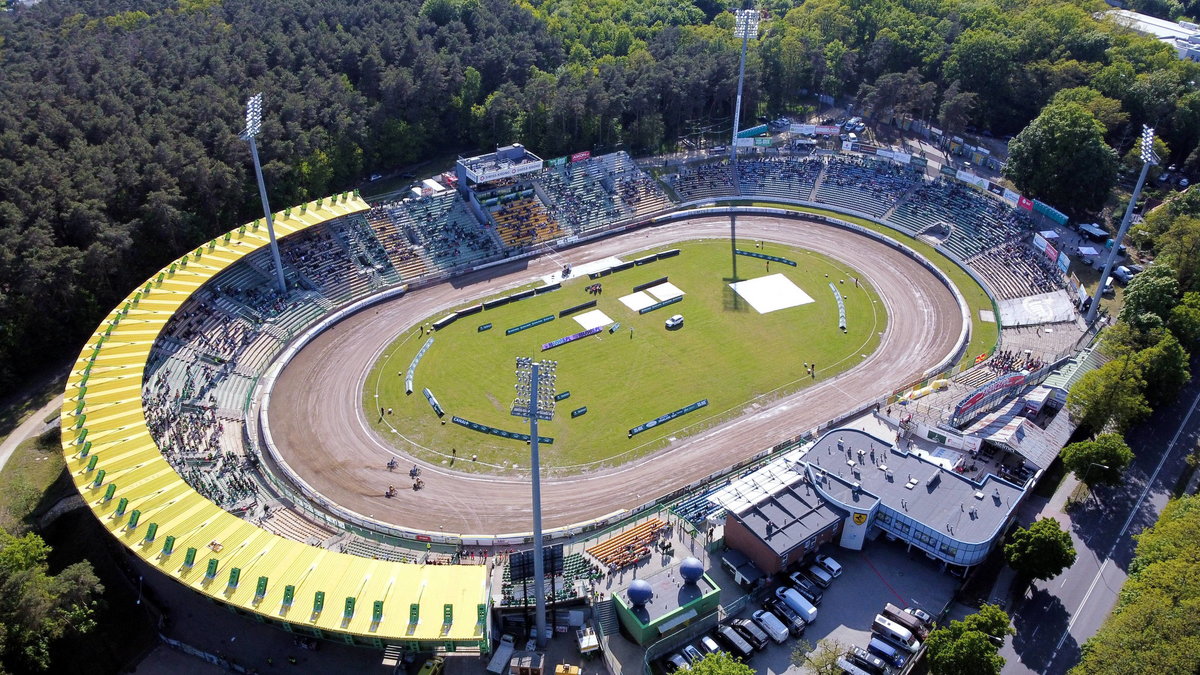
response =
{"points": [[883, 572]]}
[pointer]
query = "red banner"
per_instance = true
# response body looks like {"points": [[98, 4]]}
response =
{"points": [[1025, 203], [580, 156]]}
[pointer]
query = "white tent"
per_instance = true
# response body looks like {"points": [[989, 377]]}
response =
{"points": [[1049, 234]]}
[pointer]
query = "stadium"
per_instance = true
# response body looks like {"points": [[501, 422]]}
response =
{"points": [[228, 434]]}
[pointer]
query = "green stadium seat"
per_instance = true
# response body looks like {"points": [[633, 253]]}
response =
{"points": [[235, 575], [211, 573], [189, 558], [121, 505], [92, 463], [318, 602], [151, 532], [168, 545], [414, 613], [109, 492], [349, 610], [447, 614], [289, 594], [377, 611], [133, 518], [261, 589]]}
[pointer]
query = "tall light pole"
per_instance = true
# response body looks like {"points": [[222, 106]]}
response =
{"points": [[745, 27], [1088, 471], [1149, 159], [535, 401], [253, 126]]}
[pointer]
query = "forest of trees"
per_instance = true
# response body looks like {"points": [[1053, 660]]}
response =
{"points": [[119, 119]]}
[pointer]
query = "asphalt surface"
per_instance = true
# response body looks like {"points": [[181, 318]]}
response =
{"points": [[317, 420], [1055, 617]]}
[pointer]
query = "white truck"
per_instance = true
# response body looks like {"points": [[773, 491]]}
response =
{"points": [[502, 656]]}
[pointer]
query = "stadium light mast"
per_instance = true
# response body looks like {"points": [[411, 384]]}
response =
{"points": [[253, 127], [535, 401], [1149, 159], [745, 26]]}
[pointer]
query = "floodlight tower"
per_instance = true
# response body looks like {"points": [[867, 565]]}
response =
{"points": [[535, 401], [1149, 159], [253, 127], [745, 27]]}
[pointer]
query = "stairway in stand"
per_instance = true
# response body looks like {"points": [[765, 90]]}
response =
{"points": [[606, 617]]}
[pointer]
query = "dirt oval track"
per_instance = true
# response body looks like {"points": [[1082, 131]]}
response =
{"points": [[318, 426]]}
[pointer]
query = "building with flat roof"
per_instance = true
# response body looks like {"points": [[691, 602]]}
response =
{"points": [[665, 603], [1183, 37], [910, 497], [851, 486]]}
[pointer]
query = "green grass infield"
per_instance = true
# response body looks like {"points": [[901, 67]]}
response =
{"points": [[726, 352]]}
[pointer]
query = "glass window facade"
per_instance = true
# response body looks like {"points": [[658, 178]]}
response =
{"points": [[938, 544]]}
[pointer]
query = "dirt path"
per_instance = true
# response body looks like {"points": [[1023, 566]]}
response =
{"points": [[34, 425], [317, 420]]}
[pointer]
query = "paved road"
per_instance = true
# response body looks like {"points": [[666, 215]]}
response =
{"points": [[316, 404], [32, 426], [1056, 617]]}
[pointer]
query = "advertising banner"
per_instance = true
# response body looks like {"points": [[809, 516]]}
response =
{"points": [[667, 418], [1024, 202], [1050, 212], [571, 338], [660, 305], [529, 324], [760, 256], [580, 156], [1039, 242], [483, 428], [828, 130], [743, 142], [1011, 197], [803, 128], [1051, 253], [1063, 262]]}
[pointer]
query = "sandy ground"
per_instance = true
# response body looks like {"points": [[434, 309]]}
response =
{"points": [[317, 420]]}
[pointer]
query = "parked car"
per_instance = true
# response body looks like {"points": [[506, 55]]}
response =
{"points": [[794, 622], [867, 661], [709, 645], [771, 625], [920, 614], [674, 322], [818, 575], [751, 633], [676, 663], [692, 654], [807, 588], [737, 644], [830, 565]]}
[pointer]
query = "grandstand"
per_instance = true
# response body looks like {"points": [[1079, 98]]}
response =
{"points": [[1015, 270], [522, 220], [129, 451], [978, 222], [865, 185]]}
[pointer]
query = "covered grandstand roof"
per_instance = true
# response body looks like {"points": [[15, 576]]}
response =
{"points": [[1010, 428], [124, 478], [511, 160]]}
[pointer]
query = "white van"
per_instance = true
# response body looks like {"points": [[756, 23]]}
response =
{"points": [[819, 576], [797, 602], [772, 625], [895, 633]]}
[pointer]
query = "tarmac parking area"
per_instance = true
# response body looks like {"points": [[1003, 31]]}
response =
{"points": [[882, 572]]}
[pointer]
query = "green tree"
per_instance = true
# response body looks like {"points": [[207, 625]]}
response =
{"points": [[1179, 248], [970, 646], [1185, 320], [1106, 110], [1152, 292], [1098, 462], [1154, 628], [820, 659], [1061, 158], [720, 663], [1112, 393], [36, 607], [1041, 551], [1165, 367]]}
